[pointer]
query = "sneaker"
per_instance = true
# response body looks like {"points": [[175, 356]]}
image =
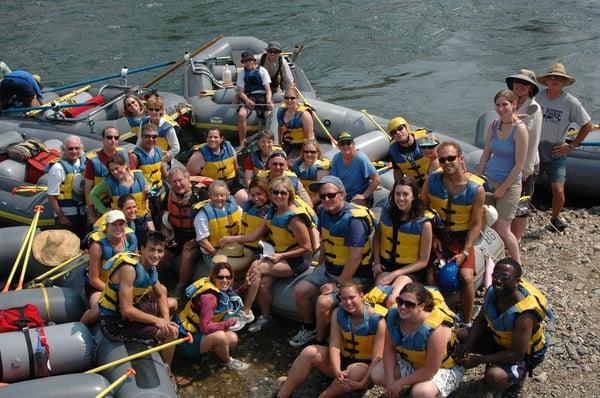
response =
{"points": [[246, 317], [303, 337], [258, 325], [239, 325], [236, 364], [558, 225]]}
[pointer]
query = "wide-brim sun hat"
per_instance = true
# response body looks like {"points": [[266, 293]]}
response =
{"points": [[556, 69], [54, 246], [429, 141], [238, 256], [525, 75]]}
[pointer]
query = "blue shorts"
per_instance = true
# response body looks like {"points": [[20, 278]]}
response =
{"points": [[191, 350], [554, 170]]}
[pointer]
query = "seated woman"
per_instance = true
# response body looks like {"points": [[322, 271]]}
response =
{"points": [[207, 315], [310, 167], [128, 206], [402, 239], [355, 346], [123, 181], [257, 160], [134, 112], [418, 346], [288, 227], [295, 123], [167, 139], [254, 211], [114, 238]]}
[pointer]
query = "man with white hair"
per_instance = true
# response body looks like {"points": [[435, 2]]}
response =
{"points": [[65, 191]]}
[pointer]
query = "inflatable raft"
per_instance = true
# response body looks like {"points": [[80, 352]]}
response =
{"points": [[56, 304], [77, 385]]}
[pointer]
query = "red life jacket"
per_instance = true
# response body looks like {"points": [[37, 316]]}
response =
{"points": [[179, 216], [37, 164]]}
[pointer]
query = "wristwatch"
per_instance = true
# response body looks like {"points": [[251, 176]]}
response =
{"points": [[466, 253]]}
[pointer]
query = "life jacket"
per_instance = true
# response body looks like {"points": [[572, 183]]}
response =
{"points": [[253, 83], [294, 133], [150, 165], [400, 246], [189, 317], [502, 324], [136, 123], [333, 233], [136, 190], [68, 197], [108, 251], [100, 169], [280, 235], [145, 279], [98, 233], [252, 218], [414, 164], [218, 166], [275, 80], [164, 125], [413, 348], [455, 212], [289, 174], [357, 342], [308, 175], [221, 222], [180, 215]]}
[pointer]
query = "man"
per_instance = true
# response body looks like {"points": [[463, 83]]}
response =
{"points": [[355, 170], [278, 68], [408, 157], [254, 92], [63, 195], [20, 89], [508, 335], [345, 254], [525, 88], [560, 109], [134, 306], [458, 198], [96, 167]]}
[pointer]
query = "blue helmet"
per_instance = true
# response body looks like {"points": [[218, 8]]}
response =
{"points": [[448, 281]]}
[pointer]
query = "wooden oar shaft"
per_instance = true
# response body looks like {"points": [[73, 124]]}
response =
{"points": [[58, 267], [24, 244], [364, 111], [62, 98], [129, 372], [36, 217]]}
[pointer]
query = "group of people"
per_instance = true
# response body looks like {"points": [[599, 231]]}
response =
{"points": [[307, 206]]}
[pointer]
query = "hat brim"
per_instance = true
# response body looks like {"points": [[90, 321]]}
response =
{"points": [[69, 247], [543, 79], [510, 80]]}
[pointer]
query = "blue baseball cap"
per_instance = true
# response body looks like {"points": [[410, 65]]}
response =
{"points": [[315, 186]]}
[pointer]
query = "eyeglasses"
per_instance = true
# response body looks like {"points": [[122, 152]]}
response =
{"points": [[310, 152], [155, 109], [328, 195], [450, 158], [405, 303], [501, 277], [224, 277], [279, 193], [151, 136], [273, 51], [112, 137], [289, 98], [345, 143]]}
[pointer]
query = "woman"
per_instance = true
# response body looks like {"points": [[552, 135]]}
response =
{"points": [[277, 166], [114, 238], [208, 316], [288, 227], [355, 347], [418, 346], [310, 167], [121, 182], [502, 163], [134, 112], [167, 139], [255, 210], [257, 160], [403, 238], [295, 123]]}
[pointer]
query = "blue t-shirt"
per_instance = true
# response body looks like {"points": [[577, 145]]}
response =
{"points": [[358, 232], [356, 175], [21, 75]]}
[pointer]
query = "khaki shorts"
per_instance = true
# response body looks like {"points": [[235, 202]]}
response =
{"points": [[507, 204]]}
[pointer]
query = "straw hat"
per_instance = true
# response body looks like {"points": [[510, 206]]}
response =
{"points": [[556, 69], [54, 246], [238, 256]]}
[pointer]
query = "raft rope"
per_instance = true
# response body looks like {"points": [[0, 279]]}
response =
{"points": [[46, 302]]}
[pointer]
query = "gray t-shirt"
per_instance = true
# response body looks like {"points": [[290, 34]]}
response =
{"points": [[558, 114]]}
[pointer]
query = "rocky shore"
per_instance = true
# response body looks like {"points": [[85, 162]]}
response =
{"points": [[565, 266]]}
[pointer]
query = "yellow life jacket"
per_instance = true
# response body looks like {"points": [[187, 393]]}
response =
{"points": [[252, 218], [136, 190], [280, 235], [294, 131], [357, 342], [188, 317], [101, 171], [218, 166], [308, 175], [150, 165], [221, 222], [164, 125]]}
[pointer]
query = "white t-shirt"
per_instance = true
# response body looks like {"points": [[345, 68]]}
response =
{"points": [[56, 176], [264, 75], [201, 226]]}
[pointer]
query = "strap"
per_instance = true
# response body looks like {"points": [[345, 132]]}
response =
{"points": [[22, 321], [29, 352], [44, 343]]}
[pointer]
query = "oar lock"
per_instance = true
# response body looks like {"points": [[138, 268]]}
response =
{"points": [[327, 123]]}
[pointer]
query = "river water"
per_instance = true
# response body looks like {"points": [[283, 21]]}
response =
{"points": [[437, 63]]}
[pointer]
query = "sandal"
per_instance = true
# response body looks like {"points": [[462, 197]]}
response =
{"points": [[178, 381]]}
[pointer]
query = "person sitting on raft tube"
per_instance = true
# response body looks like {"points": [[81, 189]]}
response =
{"points": [[123, 181], [355, 170], [288, 228], [277, 166], [277, 67], [254, 91], [345, 230], [408, 157], [458, 197], [356, 342], [508, 335], [256, 161], [418, 346], [295, 123], [402, 240], [20, 89], [311, 167], [167, 139], [133, 109], [254, 211], [429, 145], [208, 315]]}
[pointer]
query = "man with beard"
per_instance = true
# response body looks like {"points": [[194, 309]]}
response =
{"points": [[407, 156]]}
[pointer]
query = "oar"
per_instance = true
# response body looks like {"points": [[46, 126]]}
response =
{"points": [[47, 282], [62, 98], [53, 105], [573, 133], [129, 372], [55, 269], [186, 339], [185, 59], [29, 189], [333, 141], [36, 217], [364, 111], [113, 76], [182, 111]]}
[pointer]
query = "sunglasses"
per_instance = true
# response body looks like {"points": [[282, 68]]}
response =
{"points": [[405, 303], [329, 195], [398, 129], [224, 277], [289, 98], [248, 59], [310, 152], [279, 193], [501, 277], [450, 158], [154, 109], [151, 136], [273, 51], [112, 137], [345, 143]]}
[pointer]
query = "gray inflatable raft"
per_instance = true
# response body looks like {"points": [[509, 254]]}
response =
{"points": [[76, 385], [56, 304]]}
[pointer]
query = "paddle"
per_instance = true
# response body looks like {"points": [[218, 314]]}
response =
{"points": [[186, 58], [173, 116], [62, 98], [333, 141], [129, 372], [28, 189], [36, 217], [364, 111], [56, 268], [53, 105]]}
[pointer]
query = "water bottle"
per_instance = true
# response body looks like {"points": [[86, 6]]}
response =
{"points": [[227, 82]]}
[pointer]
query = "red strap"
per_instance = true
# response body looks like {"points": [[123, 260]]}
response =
{"points": [[44, 343]]}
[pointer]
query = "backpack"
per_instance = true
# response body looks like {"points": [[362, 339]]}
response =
{"points": [[26, 149], [18, 318]]}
